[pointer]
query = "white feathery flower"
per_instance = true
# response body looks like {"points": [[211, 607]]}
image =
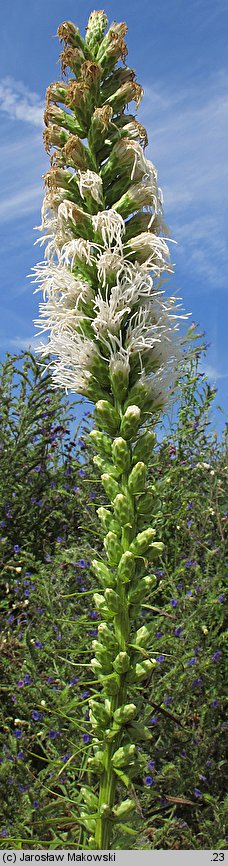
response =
{"points": [[108, 263], [56, 278], [77, 248], [75, 356], [153, 252], [110, 311], [111, 226], [89, 181]]}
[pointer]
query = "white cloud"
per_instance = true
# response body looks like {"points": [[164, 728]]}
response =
{"points": [[188, 132], [211, 372], [20, 103]]}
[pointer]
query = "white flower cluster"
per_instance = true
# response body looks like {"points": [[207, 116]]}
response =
{"points": [[103, 305]]}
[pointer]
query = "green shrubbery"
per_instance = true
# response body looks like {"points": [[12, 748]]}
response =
{"points": [[50, 491]]}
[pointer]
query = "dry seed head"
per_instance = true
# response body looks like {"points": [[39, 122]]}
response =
{"points": [[90, 72], [67, 32], [71, 58]]}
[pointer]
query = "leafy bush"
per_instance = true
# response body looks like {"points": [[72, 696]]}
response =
{"points": [[49, 624]]}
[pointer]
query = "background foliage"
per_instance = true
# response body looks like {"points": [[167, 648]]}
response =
{"points": [[49, 492]]}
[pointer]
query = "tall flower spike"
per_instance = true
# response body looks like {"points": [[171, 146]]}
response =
{"points": [[114, 337]]}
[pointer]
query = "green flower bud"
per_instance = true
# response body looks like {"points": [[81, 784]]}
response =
{"points": [[120, 453], [124, 714], [113, 548], [126, 567], [99, 126], [121, 663], [145, 503], [124, 755], [110, 683], [105, 811], [106, 635], [122, 510], [140, 591], [105, 467], [144, 446], [142, 541], [112, 600], [137, 478], [106, 416], [97, 762], [155, 550], [88, 821], [119, 377], [89, 798], [95, 30], [130, 422], [142, 670], [101, 442], [96, 666], [124, 809], [98, 710], [110, 486], [99, 602], [102, 572], [143, 636]]}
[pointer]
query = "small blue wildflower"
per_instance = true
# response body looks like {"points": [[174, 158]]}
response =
{"points": [[191, 662], [168, 702], [197, 793], [153, 720], [4, 832], [189, 592], [151, 765], [86, 738], [159, 634], [197, 683], [39, 644], [188, 523], [36, 804], [222, 597], [92, 494], [37, 468], [27, 593], [35, 715], [82, 473], [16, 548], [179, 586], [10, 618], [59, 539], [18, 733], [53, 734], [93, 614], [84, 695], [74, 681], [65, 758], [216, 656], [20, 683], [214, 703], [20, 755], [26, 582], [178, 631], [160, 659], [149, 781], [190, 505], [173, 602]]}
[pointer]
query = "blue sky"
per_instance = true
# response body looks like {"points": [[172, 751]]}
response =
{"points": [[179, 52]]}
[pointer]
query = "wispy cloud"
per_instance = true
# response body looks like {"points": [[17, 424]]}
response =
{"points": [[188, 131], [20, 103], [20, 343]]}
